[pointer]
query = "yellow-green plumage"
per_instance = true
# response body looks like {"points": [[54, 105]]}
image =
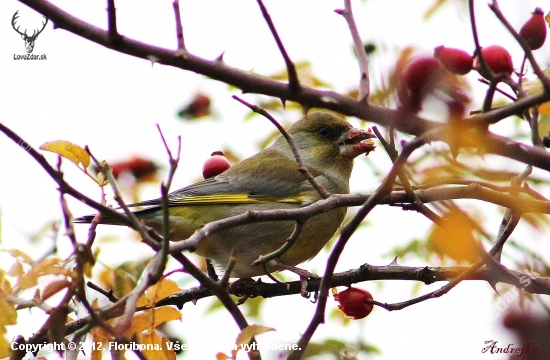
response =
{"points": [[268, 180]]}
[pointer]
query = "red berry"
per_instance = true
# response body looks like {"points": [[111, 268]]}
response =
{"points": [[215, 165], [142, 169], [419, 78], [498, 59], [199, 107], [534, 30], [455, 60], [354, 302]]}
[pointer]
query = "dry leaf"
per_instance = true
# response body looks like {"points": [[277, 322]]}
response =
{"points": [[69, 151]]}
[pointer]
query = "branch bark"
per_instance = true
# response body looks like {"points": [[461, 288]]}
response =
{"points": [[309, 97]]}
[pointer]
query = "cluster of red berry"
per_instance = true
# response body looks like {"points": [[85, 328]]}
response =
{"points": [[427, 75], [424, 75]]}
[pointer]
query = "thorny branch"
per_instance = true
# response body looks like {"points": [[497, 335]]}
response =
{"points": [[308, 97], [518, 201], [346, 233]]}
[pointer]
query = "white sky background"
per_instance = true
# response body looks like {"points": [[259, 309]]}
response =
{"points": [[90, 95]]}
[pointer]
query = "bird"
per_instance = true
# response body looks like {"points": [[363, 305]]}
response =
{"points": [[268, 180]]}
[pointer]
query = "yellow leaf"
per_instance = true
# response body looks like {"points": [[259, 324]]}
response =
{"points": [[16, 269], [165, 314], [5, 286], [534, 87], [222, 356], [156, 348], [169, 354], [21, 255], [87, 269], [143, 301], [544, 108], [454, 237], [27, 281], [8, 315], [150, 319], [97, 354], [69, 151], [150, 340], [162, 290], [5, 348], [54, 287], [158, 291], [250, 331], [99, 336], [247, 334], [43, 267]]}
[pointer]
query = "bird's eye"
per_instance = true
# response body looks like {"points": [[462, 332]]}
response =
{"points": [[324, 131]]}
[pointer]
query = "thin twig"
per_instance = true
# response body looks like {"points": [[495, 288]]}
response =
{"points": [[455, 281], [489, 95], [348, 230], [483, 67], [165, 189], [111, 21], [264, 259], [301, 166], [534, 123], [179, 27], [509, 215], [221, 293], [416, 203], [293, 82], [362, 56], [487, 82]]}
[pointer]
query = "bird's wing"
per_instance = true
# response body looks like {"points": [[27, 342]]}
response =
{"points": [[247, 182]]}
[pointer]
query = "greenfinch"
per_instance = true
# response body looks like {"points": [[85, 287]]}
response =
{"points": [[266, 181]]}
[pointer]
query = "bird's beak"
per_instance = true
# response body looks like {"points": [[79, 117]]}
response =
{"points": [[356, 142]]}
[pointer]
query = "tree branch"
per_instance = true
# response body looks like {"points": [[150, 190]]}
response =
{"points": [[251, 83], [293, 82]]}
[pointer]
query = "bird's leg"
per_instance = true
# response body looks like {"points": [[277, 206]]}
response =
{"points": [[211, 270], [303, 274], [233, 289]]}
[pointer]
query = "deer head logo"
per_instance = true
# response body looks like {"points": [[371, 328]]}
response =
{"points": [[29, 40]]}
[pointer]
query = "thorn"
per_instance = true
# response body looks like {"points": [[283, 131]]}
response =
{"points": [[153, 59], [220, 58], [394, 261], [283, 102], [339, 11], [493, 286]]}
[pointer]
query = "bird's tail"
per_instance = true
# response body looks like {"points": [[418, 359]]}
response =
{"points": [[108, 220], [104, 220], [84, 219]]}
